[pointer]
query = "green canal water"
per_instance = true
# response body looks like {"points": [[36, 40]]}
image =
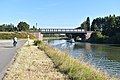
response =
{"points": [[105, 57]]}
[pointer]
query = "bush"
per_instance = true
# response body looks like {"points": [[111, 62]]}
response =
{"points": [[114, 39], [97, 37], [37, 42]]}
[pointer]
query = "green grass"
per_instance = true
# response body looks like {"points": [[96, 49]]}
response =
{"points": [[19, 35], [74, 68]]}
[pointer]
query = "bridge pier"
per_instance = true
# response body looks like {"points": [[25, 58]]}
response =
{"points": [[38, 35], [83, 37]]}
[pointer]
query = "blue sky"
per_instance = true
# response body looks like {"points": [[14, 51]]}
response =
{"points": [[55, 13]]}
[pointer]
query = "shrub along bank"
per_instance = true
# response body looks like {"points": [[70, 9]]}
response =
{"points": [[76, 69], [19, 35], [98, 37]]}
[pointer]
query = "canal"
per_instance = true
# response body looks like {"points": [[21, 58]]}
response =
{"points": [[103, 57]]}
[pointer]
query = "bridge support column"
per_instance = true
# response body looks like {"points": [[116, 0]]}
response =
{"points": [[38, 35], [83, 37]]}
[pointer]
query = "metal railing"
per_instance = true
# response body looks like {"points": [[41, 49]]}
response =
{"points": [[63, 31]]}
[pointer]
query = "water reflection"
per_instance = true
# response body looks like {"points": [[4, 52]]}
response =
{"points": [[101, 56]]}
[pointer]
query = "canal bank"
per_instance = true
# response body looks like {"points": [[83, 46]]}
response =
{"points": [[102, 57], [75, 68], [33, 64]]}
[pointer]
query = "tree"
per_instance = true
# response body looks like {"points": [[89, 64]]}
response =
{"points": [[93, 25], [7, 27], [23, 26], [10, 27], [96, 27], [34, 28], [88, 24], [109, 26], [83, 25]]}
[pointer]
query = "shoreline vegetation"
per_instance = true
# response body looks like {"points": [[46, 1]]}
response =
{"points": [[19, 35], [98, 38], [75, 69]]}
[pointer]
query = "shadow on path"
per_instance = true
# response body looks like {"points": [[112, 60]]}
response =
{"points": [[6, 47]]}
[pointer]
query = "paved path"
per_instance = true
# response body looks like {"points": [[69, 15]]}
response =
{"points": [[7, 52]]}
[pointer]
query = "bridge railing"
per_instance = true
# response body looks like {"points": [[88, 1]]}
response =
{"points": [[62, 30]]}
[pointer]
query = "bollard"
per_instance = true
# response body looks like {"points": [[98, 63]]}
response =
{"points": [[28, 40]]}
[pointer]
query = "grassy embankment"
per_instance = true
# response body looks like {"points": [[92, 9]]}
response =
{"points": [[19, 35], [76, 69], [31, 63]]}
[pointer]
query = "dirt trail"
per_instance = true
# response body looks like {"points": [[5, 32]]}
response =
{"points": [[33, 64]]}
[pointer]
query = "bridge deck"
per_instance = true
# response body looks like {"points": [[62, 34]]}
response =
{"points": [[62, 31]]}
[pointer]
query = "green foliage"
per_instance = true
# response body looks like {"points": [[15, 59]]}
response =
{"points": [[33, 28], [95, 27], [109, 26], [85, 25], [37, 42], [23, 26], [7, 28], [88, 24], [97, 24], [19, 35], [97, 37], [69, 35], [76, 69], [77, 38], [114, 39]]}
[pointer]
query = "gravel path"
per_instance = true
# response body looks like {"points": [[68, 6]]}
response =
{"points": [[33, 64]]}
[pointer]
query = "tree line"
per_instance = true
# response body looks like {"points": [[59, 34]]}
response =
{"points": [[107, 29], [22, 26], [109, 25]]}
